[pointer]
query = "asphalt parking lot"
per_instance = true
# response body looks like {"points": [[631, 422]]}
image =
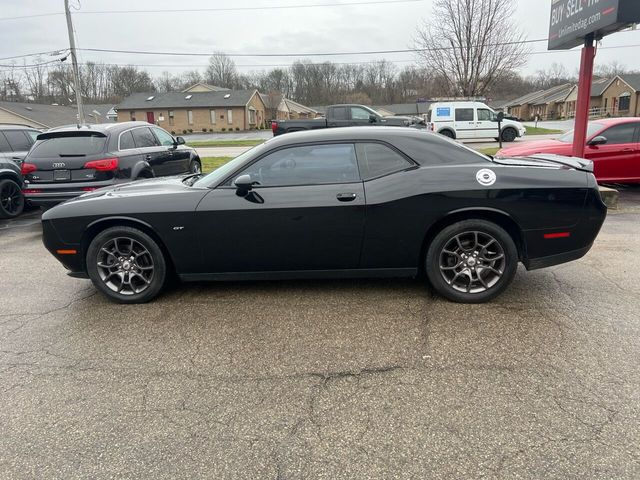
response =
{"points": [[323, 379]]}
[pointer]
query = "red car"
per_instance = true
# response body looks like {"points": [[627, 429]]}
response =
{"points": [[613, 144]]}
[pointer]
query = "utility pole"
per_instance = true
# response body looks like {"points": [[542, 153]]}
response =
{"points": [[74, 61]]}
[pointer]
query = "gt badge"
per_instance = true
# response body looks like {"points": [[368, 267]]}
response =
{"points": [[486, 177]]}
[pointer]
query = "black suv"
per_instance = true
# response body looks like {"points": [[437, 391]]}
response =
{"points": [[68, 161], [15, 142]]}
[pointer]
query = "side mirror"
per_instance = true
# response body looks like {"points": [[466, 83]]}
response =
{"points": [[244, 183], [373, 119], [180, 141], [599, 140], [500, 117]]}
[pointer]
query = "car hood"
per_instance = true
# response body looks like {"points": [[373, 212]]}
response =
{"points": [[538, 146], [153, 186]]}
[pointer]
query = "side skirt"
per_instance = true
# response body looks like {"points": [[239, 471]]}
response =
{"points": [[301, 274]]}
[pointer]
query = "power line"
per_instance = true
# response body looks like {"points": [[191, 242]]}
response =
{"points": [[307, 54], [222, 9], [50, 52]]}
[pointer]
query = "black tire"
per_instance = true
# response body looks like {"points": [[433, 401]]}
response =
{"points": [[447, 133], [509, 135], [451, 273], [11, 199], [195, 166], [136, 259]]}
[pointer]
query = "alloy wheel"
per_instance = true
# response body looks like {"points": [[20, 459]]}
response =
{"points": [[11, 198], [472, 262], [125, 266]]}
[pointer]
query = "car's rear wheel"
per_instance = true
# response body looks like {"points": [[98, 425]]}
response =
{"points": [[126, 265], [509, 135], [11, 199], [447, 133], [471, 261], [195, 167]]}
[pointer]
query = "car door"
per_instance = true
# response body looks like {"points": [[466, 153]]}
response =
{"points": [[150, 151], [305, 212], [618, 160], [465, 123], [486, 124], [338, 116], [175, 159]]}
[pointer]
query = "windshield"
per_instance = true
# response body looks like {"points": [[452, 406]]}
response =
{"points": [[592, 129], [225, 170]]}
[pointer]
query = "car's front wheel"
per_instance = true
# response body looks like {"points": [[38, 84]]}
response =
{"points": [[126, 265], [195, 167], [11, 199], [471, 261], [509, 135]]}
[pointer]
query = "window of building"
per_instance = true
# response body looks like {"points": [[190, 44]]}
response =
{"points": [[171, 117], [464, 114], [212, 116], [190, 117], [132, 116], [308, 165], [252, 117], [377, 160], [230, 117], [625, 103]]}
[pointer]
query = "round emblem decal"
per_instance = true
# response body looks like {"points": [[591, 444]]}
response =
{"points": [[486, 177]]}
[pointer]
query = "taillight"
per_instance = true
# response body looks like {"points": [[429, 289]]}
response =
{"points": [[274, 126], [89, 189], [104, 165], [28, 191], [28, 168]]}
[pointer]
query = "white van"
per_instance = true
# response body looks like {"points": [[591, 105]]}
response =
{"points": [[466, 120]]}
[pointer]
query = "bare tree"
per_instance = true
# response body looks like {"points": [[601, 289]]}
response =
{"points": [[472, 43], [222, 71], [611, 69]]}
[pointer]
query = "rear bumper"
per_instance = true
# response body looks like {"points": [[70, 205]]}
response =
{"points": [[557, 259], [52, 194]]}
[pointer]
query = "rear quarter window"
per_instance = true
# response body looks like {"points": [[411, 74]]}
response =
{"points": [[68, 146], [4, 145], [438, 151]]}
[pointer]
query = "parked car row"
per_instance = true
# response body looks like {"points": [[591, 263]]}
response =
{"points": [[46, 168]]}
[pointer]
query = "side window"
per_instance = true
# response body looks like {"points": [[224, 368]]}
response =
{"points": [[485, 115], [309, 165], [4, 145], [18, 140], [620, 134], [166, 140], [144, 138], [340, 113], [377, 160], [126, 141], [464, 114], [358, 113]]}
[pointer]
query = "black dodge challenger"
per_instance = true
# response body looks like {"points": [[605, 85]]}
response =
{"points": [[348, 202]]}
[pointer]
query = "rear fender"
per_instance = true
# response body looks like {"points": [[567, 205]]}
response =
{"points": [[139, 168]]}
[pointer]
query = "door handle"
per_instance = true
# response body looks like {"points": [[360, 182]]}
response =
{"points": [[627, 150], [346, 197]]}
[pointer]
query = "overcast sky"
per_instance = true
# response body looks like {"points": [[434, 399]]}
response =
{"points": [[386, 26]]}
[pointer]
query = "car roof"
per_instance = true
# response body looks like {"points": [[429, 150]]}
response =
{"points": [[12, 126], [457, 104], [372, 133], [104, 128], [616, 121]]}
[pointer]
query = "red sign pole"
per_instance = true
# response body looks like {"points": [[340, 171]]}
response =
{"points": [[584, 96]]}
